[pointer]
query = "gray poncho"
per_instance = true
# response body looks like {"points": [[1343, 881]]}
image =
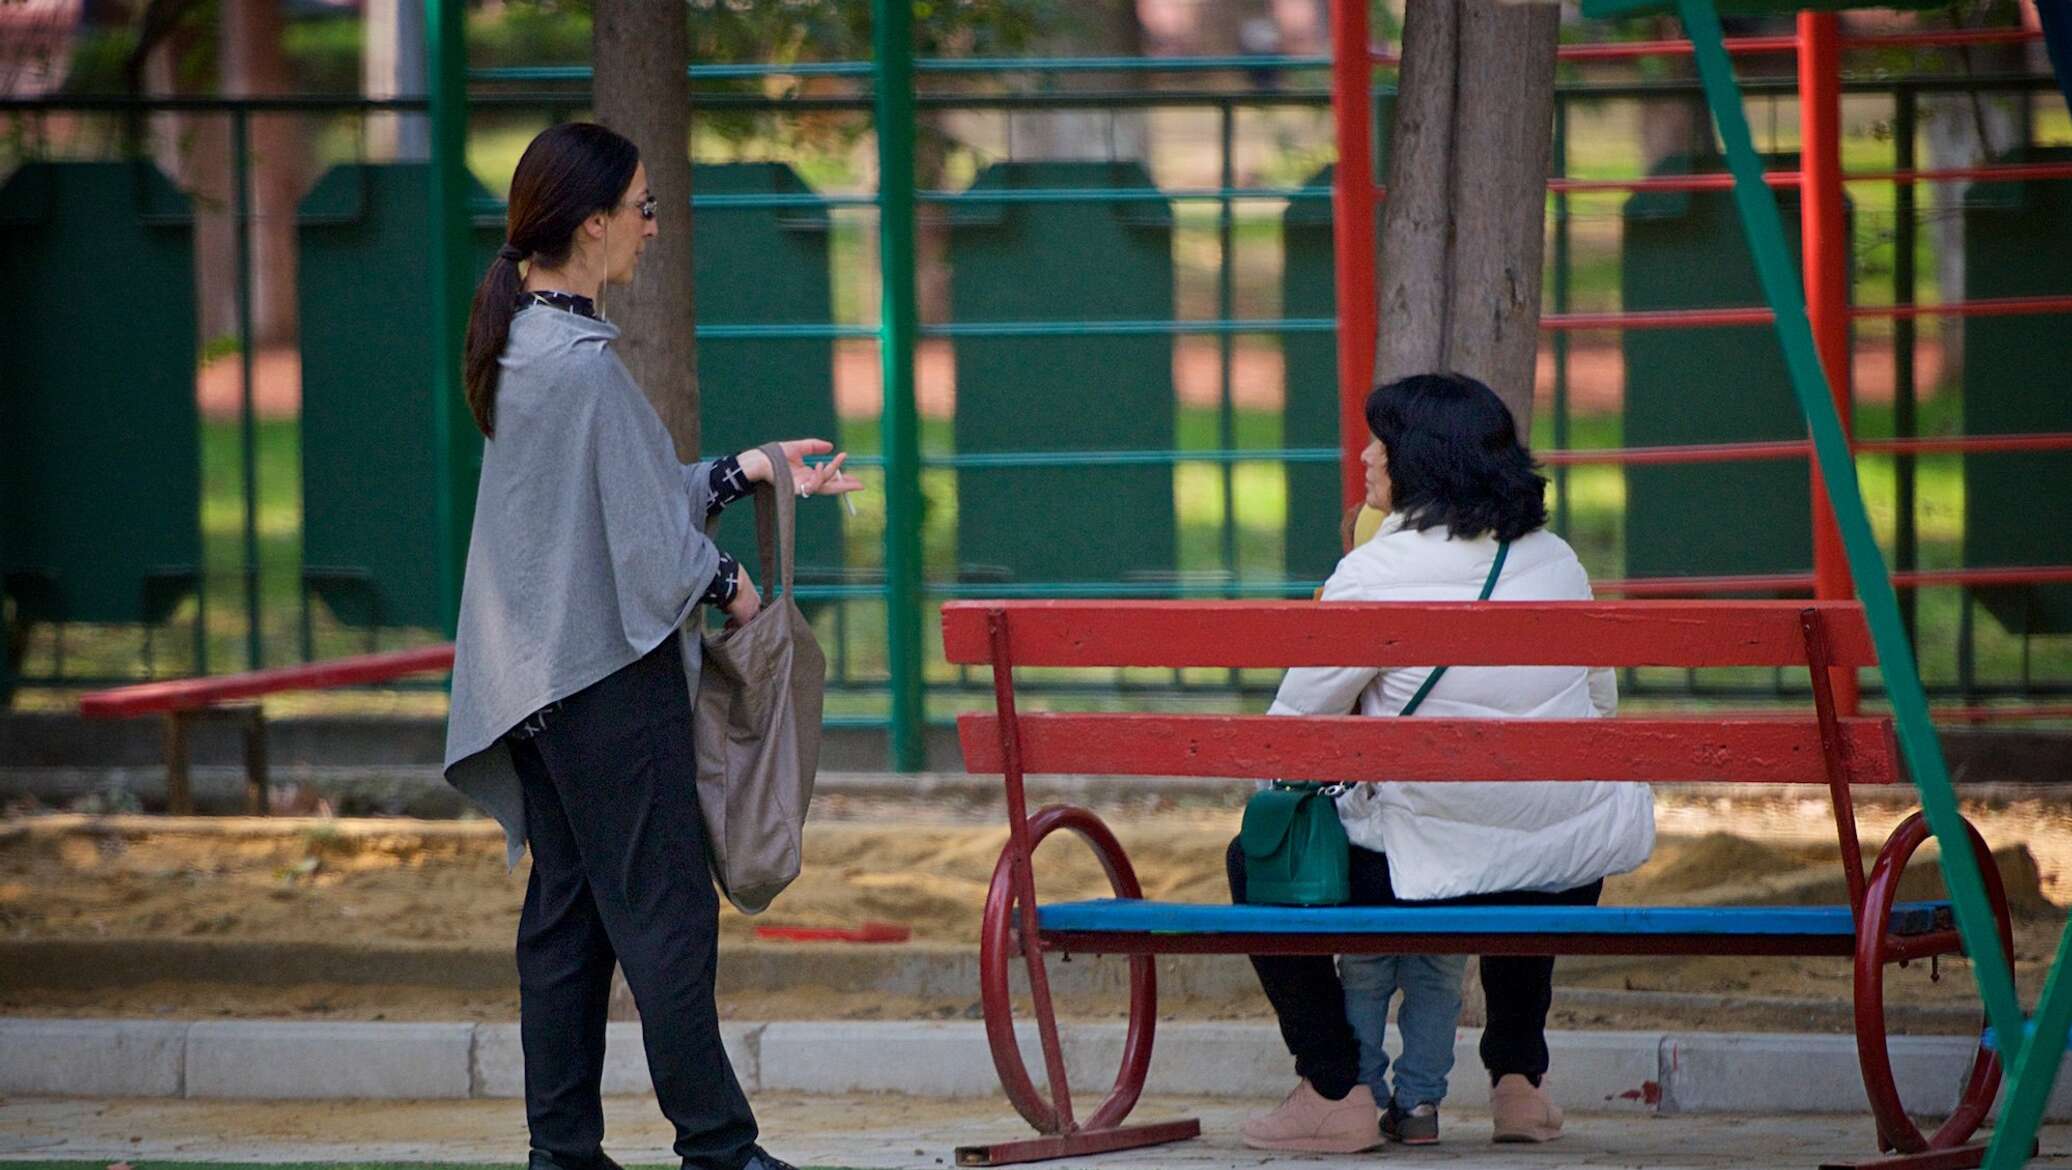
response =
{"points": [[587, 549]]}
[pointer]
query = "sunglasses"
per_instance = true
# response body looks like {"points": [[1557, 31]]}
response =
{"points": [[645, 206]]}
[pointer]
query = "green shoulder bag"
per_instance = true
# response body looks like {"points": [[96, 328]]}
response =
{"points": [[1295, 846]]}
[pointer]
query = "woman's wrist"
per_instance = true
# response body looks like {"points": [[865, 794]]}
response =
{"points": [[726, 583], [754, 464]]}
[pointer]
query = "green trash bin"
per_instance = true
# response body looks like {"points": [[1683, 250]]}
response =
{"points": [[100, 489], [2018, 379], [1310, 415], [1686, 250], [766, 266], [1062, 262], [370, 465]]}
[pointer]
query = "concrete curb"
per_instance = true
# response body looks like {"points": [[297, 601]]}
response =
{"points": [[1637, 1072]]}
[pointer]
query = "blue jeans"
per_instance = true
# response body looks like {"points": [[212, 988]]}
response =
{"points": [[1430, 1011]]}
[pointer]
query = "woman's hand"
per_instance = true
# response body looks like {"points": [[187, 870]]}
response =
{"points": [[828, 479], [746, 604]]}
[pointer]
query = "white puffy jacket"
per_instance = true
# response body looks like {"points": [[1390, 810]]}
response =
{"points": [[1444, 840]]}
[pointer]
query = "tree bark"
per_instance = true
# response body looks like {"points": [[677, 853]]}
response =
{"points": [[1092, 28], [1463, 230], [1415, 282], [643, 91], [392, 65], [254, 66]]}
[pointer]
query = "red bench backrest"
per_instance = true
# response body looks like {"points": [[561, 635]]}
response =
{"points": [[1395, 634]]}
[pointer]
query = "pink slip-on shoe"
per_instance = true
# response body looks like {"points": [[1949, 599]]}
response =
{"points": [[1522, 1112], [1309, 1122]]}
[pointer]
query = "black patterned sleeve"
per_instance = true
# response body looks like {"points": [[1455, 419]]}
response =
{"points": [[729, 483], [726, 582]]}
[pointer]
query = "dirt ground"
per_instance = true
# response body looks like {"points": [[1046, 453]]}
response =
{"points": [[404, 885]]}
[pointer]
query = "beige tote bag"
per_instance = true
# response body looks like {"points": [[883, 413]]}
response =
{"points": [[757, 724]]}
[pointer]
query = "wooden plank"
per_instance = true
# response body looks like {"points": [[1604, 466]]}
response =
{"points": [[1670, 751], [1386, 634], [187, 694]]}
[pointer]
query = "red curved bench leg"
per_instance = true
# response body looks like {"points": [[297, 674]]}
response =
{"points": [[1897, 1131], [999, 945]]}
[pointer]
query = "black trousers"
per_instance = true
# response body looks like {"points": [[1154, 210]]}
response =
{"points": [[1305, 993], [619, 875]]}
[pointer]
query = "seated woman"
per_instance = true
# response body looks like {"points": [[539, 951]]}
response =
{"points": [[1456, 485]]}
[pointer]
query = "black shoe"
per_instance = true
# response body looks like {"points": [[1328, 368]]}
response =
{"points": [[761, 1159], [542, 1160]]}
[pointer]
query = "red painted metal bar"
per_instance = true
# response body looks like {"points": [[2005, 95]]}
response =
{"points": [[1282, 634], [1832, 754], [188, 694], [1798, 449], [1085, 1143], [2009, 714], [1353, 748], [1875, 951], [1678, 454], [1008, 738], [1825, 272], [1353, 195], [1772, 46], [1668, 587], [1655, 319], [1992, 307], [1702, 318], [1967, 444]]}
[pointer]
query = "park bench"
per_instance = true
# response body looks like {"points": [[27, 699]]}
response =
{"points": [[184, 702], [1821, 747]]}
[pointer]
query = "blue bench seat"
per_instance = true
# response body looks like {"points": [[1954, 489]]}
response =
{"points": [[1134, 915]]}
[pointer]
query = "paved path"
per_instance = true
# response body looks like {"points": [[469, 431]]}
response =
{"points": [[870, 1131]]}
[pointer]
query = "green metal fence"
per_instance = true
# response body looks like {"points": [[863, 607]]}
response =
{"points": [[1182, 371]]}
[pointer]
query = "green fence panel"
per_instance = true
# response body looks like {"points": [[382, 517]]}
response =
{"points": [[2017, 378], [1686, 250], [369, 454], [100, 489], [766, 266], [1310, 360], [1062, 262]]}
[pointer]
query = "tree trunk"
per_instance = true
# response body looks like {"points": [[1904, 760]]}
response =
{"points": [[253, 66], [1464, 228], [1092, 28], [392, 65], [643, 91]]}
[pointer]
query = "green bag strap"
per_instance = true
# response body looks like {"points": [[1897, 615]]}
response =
{"points": [[1503, 549]]}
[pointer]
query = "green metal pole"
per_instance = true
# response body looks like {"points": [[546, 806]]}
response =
{"points": [[456, 444], [892, 36], [1917, 738], [247, 414], [1905, 423], [2034, 1070], [1226, 302], [1562, 260]]}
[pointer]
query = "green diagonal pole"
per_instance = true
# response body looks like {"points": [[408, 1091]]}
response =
{"points": [[2033, 1070], [1918, 742]]}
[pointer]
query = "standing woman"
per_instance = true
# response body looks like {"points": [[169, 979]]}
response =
{"points": [[572, 688]]}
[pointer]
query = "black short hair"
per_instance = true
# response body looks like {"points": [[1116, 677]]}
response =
{"points": [[1455, 459]]}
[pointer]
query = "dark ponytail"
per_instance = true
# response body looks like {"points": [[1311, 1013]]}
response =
{"points": [[569, 173]]}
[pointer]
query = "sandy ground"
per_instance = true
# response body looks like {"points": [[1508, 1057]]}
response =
{"points": [[400, 884]]}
